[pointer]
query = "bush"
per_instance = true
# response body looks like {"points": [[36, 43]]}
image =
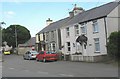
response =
{"points": [[113, 45]]}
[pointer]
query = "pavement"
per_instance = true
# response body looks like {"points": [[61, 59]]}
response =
{"points": [[16, 66]]}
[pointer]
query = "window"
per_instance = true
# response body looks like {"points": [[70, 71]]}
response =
{"points": [[83, 28], [52, 34], [76, 30], [42, 52], [68, 46], [97, 45], [67, 32], [52, 47], [47, 36], [95, 26]]}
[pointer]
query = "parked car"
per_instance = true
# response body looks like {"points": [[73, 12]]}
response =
{"points": [[47, 56], [30, 55], [6, 52]]}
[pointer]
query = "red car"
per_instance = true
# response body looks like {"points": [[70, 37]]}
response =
{"points": [[47, 56]]}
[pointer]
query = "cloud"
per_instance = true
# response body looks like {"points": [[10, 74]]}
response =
{"points": [[9, 14]]}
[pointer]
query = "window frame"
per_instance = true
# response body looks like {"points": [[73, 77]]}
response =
{"points": [[67, 32], [68, 47], [83, 28], [95, 26], [77, 31], [97, 43]]}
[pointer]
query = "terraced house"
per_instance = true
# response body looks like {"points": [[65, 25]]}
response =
{"points": [[83, 35]]}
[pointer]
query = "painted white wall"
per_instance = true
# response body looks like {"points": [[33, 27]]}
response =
{"points": [[90, 49], [112, 20]]}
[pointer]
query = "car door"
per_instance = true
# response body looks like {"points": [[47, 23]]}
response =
{"points": [[28, 55], [41, 55]]}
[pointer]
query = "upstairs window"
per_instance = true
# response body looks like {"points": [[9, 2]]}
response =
{"points": [[83, 28], [67, 32], [95, 26], [52, 34], [76, 29], [47, 36]]}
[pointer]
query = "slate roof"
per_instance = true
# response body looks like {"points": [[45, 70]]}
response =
{"points": [[88, 15], [30, 42], [94, 13], [55, 25]]}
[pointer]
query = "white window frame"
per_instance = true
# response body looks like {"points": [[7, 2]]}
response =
{"points": [[52, 35], [95, 26], [68, 47], [77, 32], [83, 28], [47, 36], [67, 32], [97, 43]]}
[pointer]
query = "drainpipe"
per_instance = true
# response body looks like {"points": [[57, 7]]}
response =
{"points": [[105, 28]]}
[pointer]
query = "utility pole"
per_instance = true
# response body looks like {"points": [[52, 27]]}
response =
{"points": [[16, 40], [1, 50]]}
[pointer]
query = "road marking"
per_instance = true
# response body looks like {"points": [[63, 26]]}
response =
{"points": [[40, 72], [65, 75]]}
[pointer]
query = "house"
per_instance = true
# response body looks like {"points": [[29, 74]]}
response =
{"points": [[85, 36], [29, 45], [49, 38]]}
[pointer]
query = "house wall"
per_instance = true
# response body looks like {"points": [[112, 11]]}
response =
{"points": [[51, 40], [90, 48], [112, 21], [23, 50], [101, 35]]}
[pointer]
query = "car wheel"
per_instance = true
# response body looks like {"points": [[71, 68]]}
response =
{"points": [[37, 59], [24, 58], [44, 60]]}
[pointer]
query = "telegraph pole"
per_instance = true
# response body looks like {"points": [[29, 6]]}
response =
{"points": [[16, 40]]}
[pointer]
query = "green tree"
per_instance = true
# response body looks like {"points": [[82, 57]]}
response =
{"points": [[113, 45], [8, 34]]}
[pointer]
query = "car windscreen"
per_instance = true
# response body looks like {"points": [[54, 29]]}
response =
{"points": [[34, 52], [49, 52]]}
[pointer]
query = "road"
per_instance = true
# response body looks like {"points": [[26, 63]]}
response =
{"points": [[15, 66]]}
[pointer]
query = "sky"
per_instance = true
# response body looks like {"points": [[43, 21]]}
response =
{"points": [[33, 14]]}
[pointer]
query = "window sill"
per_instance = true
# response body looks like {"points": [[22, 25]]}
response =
{"points": [[97, 52], [95, 32]]}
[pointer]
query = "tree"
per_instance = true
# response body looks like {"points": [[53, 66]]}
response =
{"points": [[23, 35], [113, 45]]}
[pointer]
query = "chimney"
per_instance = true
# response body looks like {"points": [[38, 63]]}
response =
{"points": [[49, 21], [77, 10], [71, 14]]}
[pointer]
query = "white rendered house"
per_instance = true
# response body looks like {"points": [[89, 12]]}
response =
{"points": [[96, 25]]}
